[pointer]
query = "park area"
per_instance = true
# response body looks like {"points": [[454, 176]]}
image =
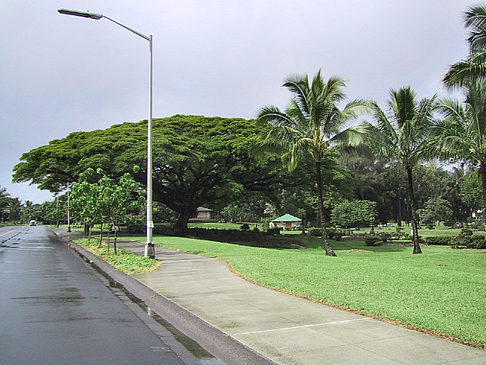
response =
{"points": [[372, 204], [441, 292]]}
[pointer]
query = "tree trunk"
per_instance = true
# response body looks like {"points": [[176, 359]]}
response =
{"points": [[101, 234], [482, 172], [399, 218], [114, 241], [86, 228], [325, 241], [415, 239], [181, 224]]}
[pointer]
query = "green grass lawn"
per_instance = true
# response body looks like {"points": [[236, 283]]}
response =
{"points": [[214, 225], [439, 231], [443, 290], [218, 225]]}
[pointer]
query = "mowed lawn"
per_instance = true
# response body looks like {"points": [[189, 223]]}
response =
{"points": [[443, 290]]}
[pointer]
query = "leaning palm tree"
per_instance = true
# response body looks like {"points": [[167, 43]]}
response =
{"points": [[475, 65], [311, 125], [461, 135], [401, 136]]}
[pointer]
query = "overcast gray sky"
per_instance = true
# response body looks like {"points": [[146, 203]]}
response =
{"points": [[225, 58]]}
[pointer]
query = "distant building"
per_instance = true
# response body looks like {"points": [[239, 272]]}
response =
{"points": [[203, 214], [287, 222]]}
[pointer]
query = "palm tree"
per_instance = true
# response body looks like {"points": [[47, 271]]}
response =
{"points": [[475, 19], [3, 192], [402, 136], [311, 125], [475, 65], [461, 135]]}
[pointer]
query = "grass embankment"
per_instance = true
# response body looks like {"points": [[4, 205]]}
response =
{"points": [[125, 261], [442, 290]]}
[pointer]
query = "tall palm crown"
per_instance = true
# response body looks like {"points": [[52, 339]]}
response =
{"points": [[403, 136], [475, 66], [311, 124], [462, 133], [475, 19]]}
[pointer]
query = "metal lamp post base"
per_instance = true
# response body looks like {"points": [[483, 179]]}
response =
{"points": [[149, 250]]}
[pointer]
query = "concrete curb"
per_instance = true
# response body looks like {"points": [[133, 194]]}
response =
{"points": [[215, 341]]}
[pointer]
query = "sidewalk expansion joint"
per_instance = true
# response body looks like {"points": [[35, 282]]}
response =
{"points": [[303, 326], [190, 260]]}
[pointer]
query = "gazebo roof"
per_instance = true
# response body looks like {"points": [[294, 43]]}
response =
{"points": [[287, 218]]}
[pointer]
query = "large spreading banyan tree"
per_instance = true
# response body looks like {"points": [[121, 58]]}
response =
{"points": [[196, 160]]}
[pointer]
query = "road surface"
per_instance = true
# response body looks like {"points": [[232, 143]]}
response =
{"points": [[55, 309]]}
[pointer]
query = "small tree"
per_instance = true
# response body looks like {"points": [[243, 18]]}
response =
{"points": [[436, 209], [106, 200], [353, 213], [117, 199], [84, 200]]}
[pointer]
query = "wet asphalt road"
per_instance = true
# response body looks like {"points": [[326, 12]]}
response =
{"points": [[55, 309]]}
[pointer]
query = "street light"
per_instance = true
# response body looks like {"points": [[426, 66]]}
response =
{"points": [[149, 246], [68, 213]]}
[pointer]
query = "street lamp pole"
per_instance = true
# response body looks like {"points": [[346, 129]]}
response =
{"points": [[149, 246], [68, 213]]}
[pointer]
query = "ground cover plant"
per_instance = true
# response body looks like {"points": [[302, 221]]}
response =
{"points": [[125, 261], [442, 291]]}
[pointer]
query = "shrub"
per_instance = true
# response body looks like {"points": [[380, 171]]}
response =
{"points": [[399, 233], [384, 236], [335, 234], [466, 241], [438, 240], [478, 241], [466, 232], [372, 241], [273, 230], [245, 227], [164, 230], [136, 227], [315, 232]]}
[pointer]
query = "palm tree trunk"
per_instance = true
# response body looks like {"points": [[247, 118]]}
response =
{"points": [[415, 239], [482, 172], [325, 241]]}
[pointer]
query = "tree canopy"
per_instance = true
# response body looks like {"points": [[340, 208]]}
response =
{"points": [[196, 160]]}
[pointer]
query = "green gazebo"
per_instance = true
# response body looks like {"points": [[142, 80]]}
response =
{"points": [[287, 222]]}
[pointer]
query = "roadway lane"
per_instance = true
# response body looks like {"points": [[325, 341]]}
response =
{"points": [[56, 310]]}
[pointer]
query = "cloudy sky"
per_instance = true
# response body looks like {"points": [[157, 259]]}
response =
{"points": [[227, 58]]}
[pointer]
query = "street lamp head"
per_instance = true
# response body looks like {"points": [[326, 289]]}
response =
{"points": [[84, 14]]}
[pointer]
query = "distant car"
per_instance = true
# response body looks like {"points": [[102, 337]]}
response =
{"points": [[32, 223]]}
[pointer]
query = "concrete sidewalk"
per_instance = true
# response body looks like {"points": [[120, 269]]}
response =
{"points": [[287, 329]]}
